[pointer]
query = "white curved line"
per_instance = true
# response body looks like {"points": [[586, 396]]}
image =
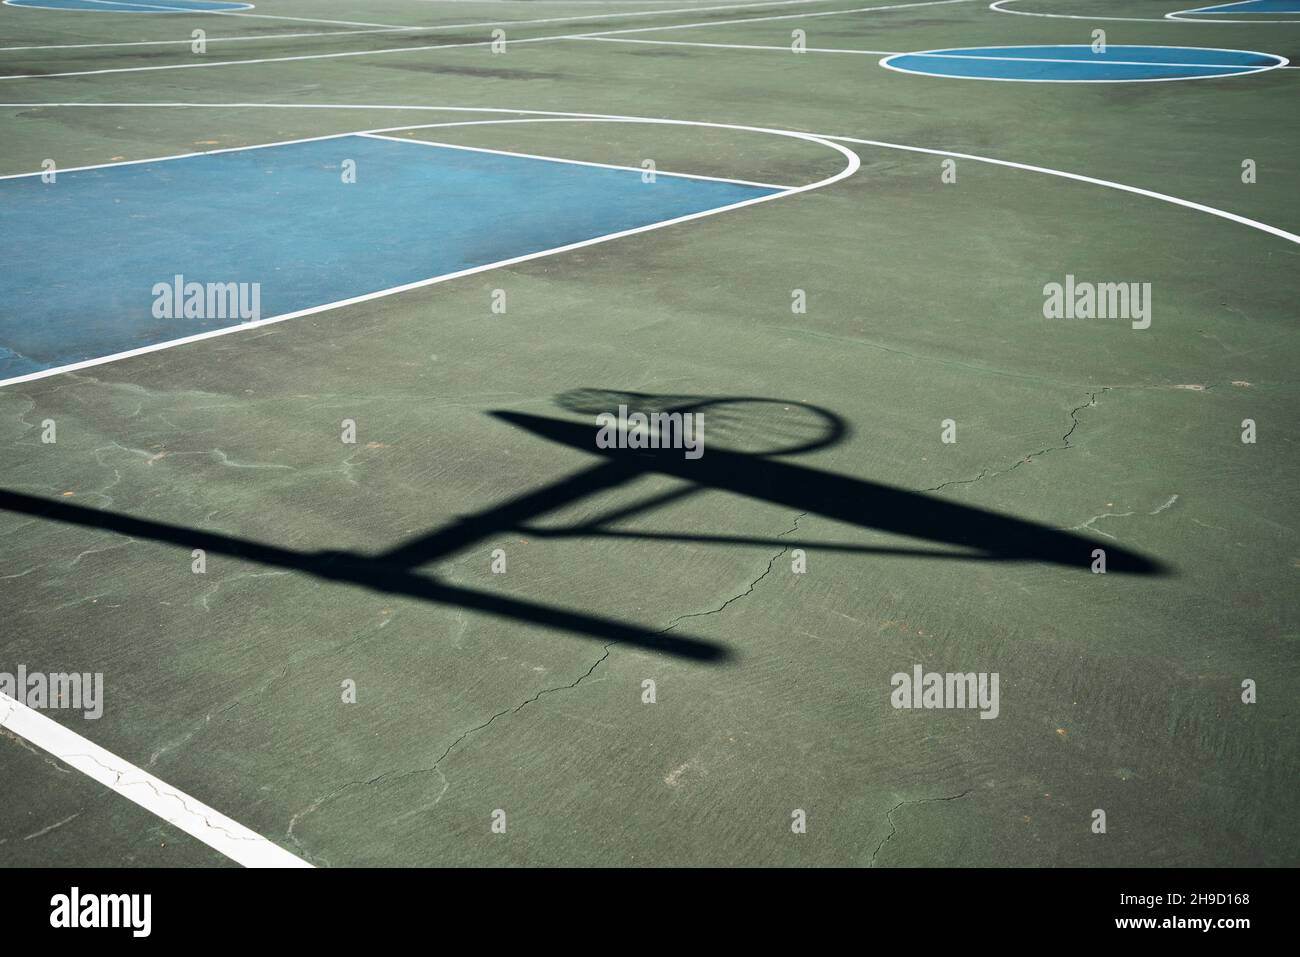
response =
{"points": [[397, 107], [989, 160], [1079, 177], [404, 108], [851, 167], [998, 6], [1241, 69]]}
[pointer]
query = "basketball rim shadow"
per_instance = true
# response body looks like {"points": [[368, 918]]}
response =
{"points": [[970, 534]]}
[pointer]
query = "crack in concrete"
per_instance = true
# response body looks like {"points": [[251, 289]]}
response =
{"points": [[185, 738], [241, 576], [1089, 526], [735, 598], [22, 742], [53, 827], [167, 792], [435, 767], [1065, 439], [106, 548], [893, 829], [431, 769]]}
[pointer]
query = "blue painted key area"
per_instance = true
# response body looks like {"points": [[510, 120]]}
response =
{"points": [[82, 256]]}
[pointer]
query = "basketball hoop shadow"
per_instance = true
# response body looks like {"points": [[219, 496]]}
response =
{"points": [[748, 442]]}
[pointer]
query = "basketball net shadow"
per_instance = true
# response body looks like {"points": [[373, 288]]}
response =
{"points": [[756, 437]]}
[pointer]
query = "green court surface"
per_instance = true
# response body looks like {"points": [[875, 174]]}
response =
{"points": [[829, 537]]}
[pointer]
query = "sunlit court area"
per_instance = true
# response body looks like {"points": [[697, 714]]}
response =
{"points": [[649, 433]]}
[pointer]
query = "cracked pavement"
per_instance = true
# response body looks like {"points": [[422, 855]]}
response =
{"points": [[1119, 692]]}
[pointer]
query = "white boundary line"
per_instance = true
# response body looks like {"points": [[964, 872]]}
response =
{"points": [[731, 46], [505, 23], [784, 16], [853, 162], [236, 6], [380, 28], [1238, 69], [218, 13], [999, 6], [568, 3], [177, 808], [526, 116], [573, 18], [894, 53], [786, 49], [561, 116], [159, 43], [570, 162], [279, 59]]}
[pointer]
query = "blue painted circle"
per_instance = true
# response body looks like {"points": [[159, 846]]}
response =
{"points": [[134, 6], [1245, 7], [1079, 64]]}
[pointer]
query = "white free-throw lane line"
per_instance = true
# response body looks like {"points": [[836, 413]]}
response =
{"points": [[483, 43], [570, 162], [175, 807], [553, 116], [851, 166]]}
